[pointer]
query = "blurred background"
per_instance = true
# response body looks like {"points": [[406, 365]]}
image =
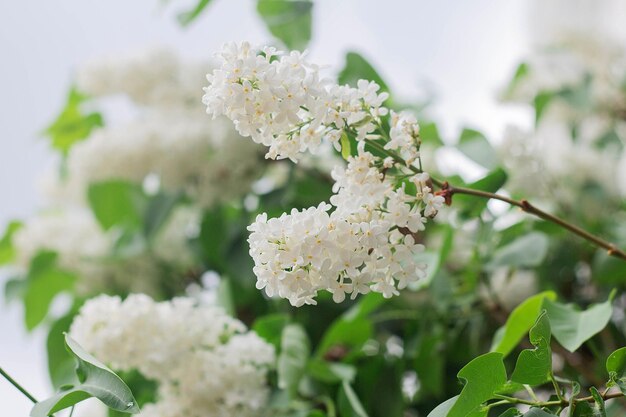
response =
{"points": [[459, 54]]}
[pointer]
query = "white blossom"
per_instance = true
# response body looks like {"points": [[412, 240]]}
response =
{"points": [[367, 243], [204, 362], [84, 249], [187, 152], [280, 101]]}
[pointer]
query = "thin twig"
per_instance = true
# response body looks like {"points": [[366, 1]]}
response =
{"points": [[525, 205]]}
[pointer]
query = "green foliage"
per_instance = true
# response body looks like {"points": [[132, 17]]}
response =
{"points": [[537, 412], [94, 380], [187, 17], [572, 327], [270, 327], [484, 376], [349, 403], [117, 203], [137, 216], [492, 182], [330, 372], [288, 20], [7, 251], [292, 361], [534, 366], [444, 408], [351, 330], [345, 146], [541, 102], [72, 125], [520, 73], [61, 363], [616, 367], [519, 322], [476, 147], [44, 281], [358, 68], [527, 251]]}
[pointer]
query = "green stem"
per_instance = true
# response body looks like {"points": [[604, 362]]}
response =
{"points": [[530, 392], [557, 388], [514, 400], [16, 385]]}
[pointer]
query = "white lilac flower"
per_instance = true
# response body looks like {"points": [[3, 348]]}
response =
{"points": [[366, 243], [155, 77], [187, 152], [280, 101], [205, 362], [84, 249], [167, 135]]}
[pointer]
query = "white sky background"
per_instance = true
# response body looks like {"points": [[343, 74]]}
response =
{"points": [[467, 50]]}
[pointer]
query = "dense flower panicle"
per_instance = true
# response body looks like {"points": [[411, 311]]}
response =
{"points": [[83, 248], [155, 77], [204, 361], [280, 101], [366, 238], [169, 136], [368, 243], [204, 158]]}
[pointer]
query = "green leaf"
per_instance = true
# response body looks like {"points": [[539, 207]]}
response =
{"points": [[430, 133], [475, 146], [292, 361], [358, 68], [511, 412], [158, 211], [534, 366], [599, 402], [572, 327], [430, 363], [330, 372], [117, 203], [61, 363], [270, 327], [584, 409], [345, 146], [95, 380], [526, 251], [616, 367], [537, 412], [492, 182], [288, 20], [483, 377], [349, 403], [541, 102], [185, 18], [444, 408], [520, 72], [43, 283], [520, 321], [352, 329], [72, 125], [7, 251]]}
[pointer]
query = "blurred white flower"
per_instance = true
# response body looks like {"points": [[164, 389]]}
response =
{"points": [[205, 362]]}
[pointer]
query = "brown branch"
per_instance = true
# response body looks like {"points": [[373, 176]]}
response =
{"points": [[447, 191]]}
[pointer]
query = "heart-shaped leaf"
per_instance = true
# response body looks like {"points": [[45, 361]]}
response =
{"points": [[483, 376], [534, 366], [519, 322]]}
